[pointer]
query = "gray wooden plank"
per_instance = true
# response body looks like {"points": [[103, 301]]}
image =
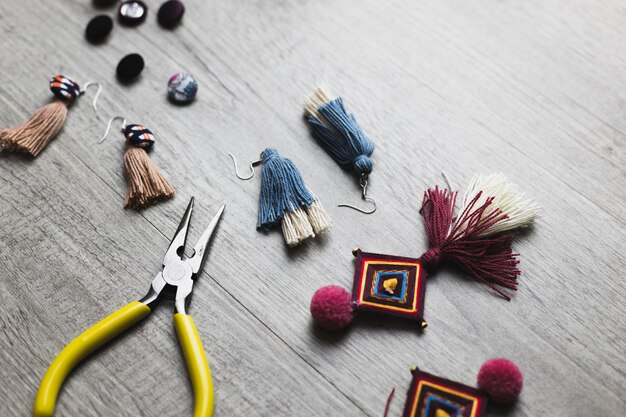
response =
{"points": [[437, 90]]}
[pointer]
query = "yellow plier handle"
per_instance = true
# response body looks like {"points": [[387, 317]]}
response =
{"points": [[197, 364], [106, 330], [81, 347]]}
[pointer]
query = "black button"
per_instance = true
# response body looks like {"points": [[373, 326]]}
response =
{"points": [[170, 13], [133, 12], [98, 28], [130, 67], [103, 3]]}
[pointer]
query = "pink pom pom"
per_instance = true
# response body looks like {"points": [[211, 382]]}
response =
{"points": [[501, 379], [331, 307]]}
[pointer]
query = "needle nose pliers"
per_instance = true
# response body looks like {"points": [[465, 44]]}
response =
{"points": [[175, 281]]}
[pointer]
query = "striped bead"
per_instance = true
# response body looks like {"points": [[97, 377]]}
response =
{"points": [[139, 136], [64, 88]]}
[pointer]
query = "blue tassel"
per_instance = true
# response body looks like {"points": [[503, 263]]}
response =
{"points": [[339, 133], [287, 201]]}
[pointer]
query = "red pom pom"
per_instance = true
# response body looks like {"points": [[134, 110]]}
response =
{"points": [[501, 379], [331, 307]]}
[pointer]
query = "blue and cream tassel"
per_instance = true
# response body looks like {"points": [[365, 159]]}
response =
{"points": [[285, 199], [338, 132]]}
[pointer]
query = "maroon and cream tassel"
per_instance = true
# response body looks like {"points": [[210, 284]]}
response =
{"points": [[478, 240], [146, 183], [32, 136]]}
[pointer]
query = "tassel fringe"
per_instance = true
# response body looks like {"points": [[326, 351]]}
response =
{"points": [[32, 136], [319, 219], [520, 211], [146, 184], [296, 227], [299, 225], [319, 97], [469, 242]]}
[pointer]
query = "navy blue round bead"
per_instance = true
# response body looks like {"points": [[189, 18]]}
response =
{"points": [[139, 136], [64, 88]]}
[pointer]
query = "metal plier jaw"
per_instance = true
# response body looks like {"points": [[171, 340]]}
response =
{"points": [[179, 272]]}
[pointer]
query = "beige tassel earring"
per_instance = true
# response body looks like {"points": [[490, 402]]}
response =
{"points": [[146, 183], [32, 136]]}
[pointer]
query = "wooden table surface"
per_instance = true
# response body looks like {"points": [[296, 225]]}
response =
{"points": [[535, 89]]}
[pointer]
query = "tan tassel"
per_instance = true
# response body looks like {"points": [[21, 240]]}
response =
{"points": [[32, 136], [146, 184]]}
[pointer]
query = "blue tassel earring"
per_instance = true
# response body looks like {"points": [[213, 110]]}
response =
{"points": [[338, 132], [286, 200]]}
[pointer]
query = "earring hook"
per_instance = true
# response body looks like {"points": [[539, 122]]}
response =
{"points": [[364, 196], [95, 98], [252, 165], [111, 120]]}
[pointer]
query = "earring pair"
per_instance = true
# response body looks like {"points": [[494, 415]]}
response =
{"points": [[146, 183], [284, 199]]}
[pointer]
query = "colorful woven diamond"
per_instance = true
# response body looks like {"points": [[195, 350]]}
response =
{"points": [[389, 284], [432, 396]]}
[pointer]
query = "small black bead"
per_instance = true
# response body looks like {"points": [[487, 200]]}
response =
{"points": [[130, 67], [170, 13], [98, 28], [133, 12], [102, 3]]}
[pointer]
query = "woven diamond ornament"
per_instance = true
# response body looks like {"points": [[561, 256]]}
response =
{"points": [[388, 285], [433, 396]]}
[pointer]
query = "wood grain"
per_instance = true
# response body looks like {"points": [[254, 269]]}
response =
{"points": [[533, 89]]}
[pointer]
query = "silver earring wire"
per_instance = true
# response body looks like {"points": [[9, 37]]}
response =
{"points": [[111, 120], [95, 98], [252, 165], [364, 196]]}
